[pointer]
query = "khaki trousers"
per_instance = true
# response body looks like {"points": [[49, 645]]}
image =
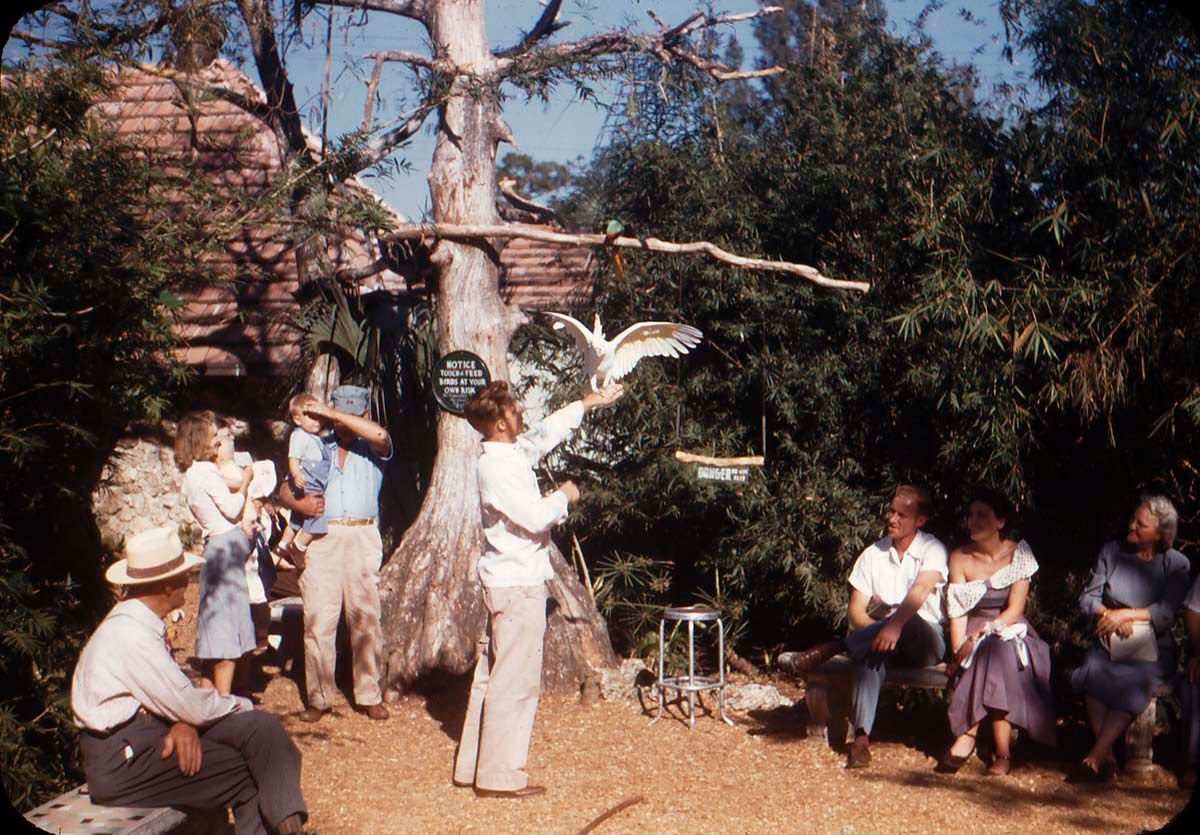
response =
{"points": [[494, 746], [342, 572]]}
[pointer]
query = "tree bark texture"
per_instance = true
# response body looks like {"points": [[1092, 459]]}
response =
{"points": [[433, 609]]}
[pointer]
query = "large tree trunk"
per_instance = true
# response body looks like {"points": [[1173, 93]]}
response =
{"points": [[433, 610]]}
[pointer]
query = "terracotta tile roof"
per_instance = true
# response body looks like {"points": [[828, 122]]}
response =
{"points": [[237, 326], [539, 276]]}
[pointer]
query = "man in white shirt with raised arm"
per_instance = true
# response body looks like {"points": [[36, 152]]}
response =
{"points": [[149, 737], [895, 612], [513, 569]]}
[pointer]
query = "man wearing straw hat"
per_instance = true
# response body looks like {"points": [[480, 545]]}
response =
{"points": [[148, 737]]}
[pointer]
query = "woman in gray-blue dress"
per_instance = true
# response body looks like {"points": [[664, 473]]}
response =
{"points": [[224, 627], [1140, 581]]}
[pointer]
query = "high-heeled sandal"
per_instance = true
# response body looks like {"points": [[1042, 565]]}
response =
{"points": [[951, 763], [1001, 765]]}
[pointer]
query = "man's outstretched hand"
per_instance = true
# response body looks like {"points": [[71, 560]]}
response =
{"points": [[183, 740], [605, 397], [570, 490]]}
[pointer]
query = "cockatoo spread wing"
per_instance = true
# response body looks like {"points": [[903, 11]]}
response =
{"points": [[581, 335], [650, 339]]}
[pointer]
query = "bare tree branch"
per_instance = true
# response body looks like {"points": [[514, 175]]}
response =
{"points": [[365, 271], [63, 11], [372, 86], [470, 233], [377, 149], [676, 31], [115, 35], [544, 28], [276, 84], [29, 37], [667, 44], [408, 58], [543, 213], [736, 461], [413, 9], [382, 58], [719, 71]]}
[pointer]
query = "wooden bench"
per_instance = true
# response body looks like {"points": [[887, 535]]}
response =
{"points": [[827, 695], [76, 814]]}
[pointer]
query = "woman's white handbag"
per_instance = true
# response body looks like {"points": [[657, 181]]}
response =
{"points": [[1138, 647]]}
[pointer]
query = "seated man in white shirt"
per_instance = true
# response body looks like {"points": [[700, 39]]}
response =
{"points": [[895, 612], [148, 737], [513, 569]]}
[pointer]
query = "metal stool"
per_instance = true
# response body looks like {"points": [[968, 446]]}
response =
{"points": [[691, 683]]}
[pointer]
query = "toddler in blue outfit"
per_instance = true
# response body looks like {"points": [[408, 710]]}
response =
{"points": [[309, 457]]}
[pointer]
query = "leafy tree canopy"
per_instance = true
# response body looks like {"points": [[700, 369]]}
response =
{"points": [[1027, 326], [91, 262]]}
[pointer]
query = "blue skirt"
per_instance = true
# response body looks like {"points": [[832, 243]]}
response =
{"points": [[224, 629]]}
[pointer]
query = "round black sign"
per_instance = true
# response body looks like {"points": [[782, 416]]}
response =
{"points": [[456, 377]]}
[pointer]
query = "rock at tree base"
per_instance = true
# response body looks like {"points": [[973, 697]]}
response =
{"points": [[623, 683], [754, 697]]}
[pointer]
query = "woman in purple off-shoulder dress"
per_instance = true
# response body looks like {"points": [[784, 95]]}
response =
{"points": [[1002, 663]]}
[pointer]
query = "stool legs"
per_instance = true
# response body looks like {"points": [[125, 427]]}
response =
{"points": [[691, 675], [689, 684], [662, 625], [721, 671]]}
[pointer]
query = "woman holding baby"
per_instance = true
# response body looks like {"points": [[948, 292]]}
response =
{"points": [[215, 490]]}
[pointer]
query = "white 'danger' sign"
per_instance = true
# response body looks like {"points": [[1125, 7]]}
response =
{"points": [[456, 377], [731, 475], [724, 470]]}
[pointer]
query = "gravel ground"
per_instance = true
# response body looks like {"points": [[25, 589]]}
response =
{"points": [[362, 776]]}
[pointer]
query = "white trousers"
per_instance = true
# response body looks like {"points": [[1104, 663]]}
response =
{"points": [[494, 747]]}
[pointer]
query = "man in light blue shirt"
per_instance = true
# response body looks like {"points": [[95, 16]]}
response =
{"points": [[342, 567]]}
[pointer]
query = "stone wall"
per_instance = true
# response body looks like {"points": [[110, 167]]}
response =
{"points": [[139, 485]]}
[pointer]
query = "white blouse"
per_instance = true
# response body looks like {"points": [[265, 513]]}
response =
{"points": [[962, 597], [217, 508]]}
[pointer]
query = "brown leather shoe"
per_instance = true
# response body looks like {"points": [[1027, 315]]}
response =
{"points": [[528, 791], [313, 714], [798, 663], [376, 711], [860, 753]]}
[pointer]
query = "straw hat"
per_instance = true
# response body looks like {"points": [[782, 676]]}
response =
{"points": [[151, 556]]}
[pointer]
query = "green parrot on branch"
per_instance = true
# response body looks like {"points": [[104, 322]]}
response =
{"points": [[611, 233]]}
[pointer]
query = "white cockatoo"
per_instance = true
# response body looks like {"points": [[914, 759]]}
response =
{"points": [[608, 360]]}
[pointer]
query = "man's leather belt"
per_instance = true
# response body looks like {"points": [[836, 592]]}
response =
{"points": [[120, 726], [351, 522]]}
